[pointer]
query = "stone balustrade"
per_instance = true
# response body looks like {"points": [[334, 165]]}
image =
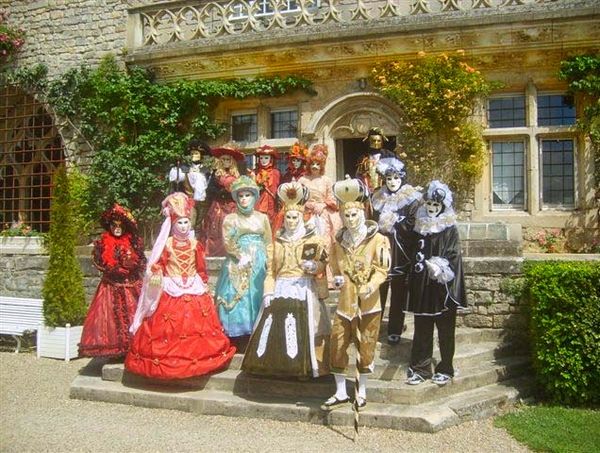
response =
{"points": [[188, 21]]}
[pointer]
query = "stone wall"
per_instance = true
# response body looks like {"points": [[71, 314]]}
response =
{"points": [[23, 275], [63, 34]]}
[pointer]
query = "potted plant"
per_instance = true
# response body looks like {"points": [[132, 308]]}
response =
{"points": [[63, 291]]}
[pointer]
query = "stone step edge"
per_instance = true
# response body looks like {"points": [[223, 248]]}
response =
{"points": [[393, 390], [464, 357], [427, 417]]}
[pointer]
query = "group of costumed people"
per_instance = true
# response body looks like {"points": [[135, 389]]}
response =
{"points": [[287, 240]]}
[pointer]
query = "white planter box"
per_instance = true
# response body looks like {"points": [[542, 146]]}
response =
{"points": [[21, 245], [59, 342]]}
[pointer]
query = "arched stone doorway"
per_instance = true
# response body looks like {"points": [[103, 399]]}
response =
{"points": [[343, 124], [32, 150]]}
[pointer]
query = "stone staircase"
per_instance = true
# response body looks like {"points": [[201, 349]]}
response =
{"points": [[491, 373], [492, 364]]}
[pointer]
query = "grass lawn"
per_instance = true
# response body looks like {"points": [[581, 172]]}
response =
{"points": [[554, 429]]}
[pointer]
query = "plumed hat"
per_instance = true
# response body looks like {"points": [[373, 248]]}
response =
{"points": [[298, 151], [120, 213], [293, 196], [244, 183], [318, 153], [391, 165], [439, 192], [177, 205], [228, 149], [351, 193], [266, 150]]}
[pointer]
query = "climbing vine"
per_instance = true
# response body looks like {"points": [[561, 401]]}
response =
{"points": [[583, 74], [138, 127], [437, 95]]}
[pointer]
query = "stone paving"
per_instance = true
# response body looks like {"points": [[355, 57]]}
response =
{"points": [[37, 415]]}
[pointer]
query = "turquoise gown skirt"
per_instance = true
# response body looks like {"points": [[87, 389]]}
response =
{"points": [[239, 292]]}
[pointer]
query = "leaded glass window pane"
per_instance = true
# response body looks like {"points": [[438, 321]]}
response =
{"points": [[508, 182], [506, 112], [558, 172], [555, 110]]}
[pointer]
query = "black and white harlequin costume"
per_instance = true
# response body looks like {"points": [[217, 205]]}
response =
{"points": [[436, 284]]}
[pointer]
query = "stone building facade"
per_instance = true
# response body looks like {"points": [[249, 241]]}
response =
{"points": [[518, 42]]}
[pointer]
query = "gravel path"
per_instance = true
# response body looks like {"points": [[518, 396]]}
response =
{"points": [[36, 414]]}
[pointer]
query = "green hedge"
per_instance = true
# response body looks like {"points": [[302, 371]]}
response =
{"points": [[564, 299]]}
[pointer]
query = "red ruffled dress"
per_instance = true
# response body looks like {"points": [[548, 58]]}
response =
{"points": [[267, 179], [183, 337], [106, 328]]}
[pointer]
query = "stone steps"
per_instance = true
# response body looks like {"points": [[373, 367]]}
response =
{"points": [[378, 390], [489, 367], [429, 416]]}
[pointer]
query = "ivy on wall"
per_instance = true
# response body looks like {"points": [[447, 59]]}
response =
{"points": [[437, 95], [137, 127], [583, 74]]}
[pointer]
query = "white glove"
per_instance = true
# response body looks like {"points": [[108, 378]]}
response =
{"points": [[365, 292], [309, 266], [244, 261], [387, 220], [434, 270], [175, 175], [338, 281], [267, 298]]}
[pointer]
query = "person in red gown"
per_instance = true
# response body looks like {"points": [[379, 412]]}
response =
{"points": [[218, 195], [119, 255], [297, 158], [177, 333], [267, 178]]}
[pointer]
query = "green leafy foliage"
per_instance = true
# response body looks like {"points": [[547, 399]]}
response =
{"points": [[555, 429], [564, 299], [583, 74], [138, 128], [63, 292], [436, 95]]}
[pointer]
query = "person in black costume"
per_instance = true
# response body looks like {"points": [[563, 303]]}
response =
{"points": [[394, 207], [366, 169], [436, 285]]}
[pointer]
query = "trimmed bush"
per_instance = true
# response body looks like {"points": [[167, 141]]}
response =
{"points": [[564, 298], [63, 292]]}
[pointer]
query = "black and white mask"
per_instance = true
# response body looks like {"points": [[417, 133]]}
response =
{"points": [[433, 208]]}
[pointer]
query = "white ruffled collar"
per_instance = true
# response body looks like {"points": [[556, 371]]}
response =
{"points": [[384, 200], [425, 225]]}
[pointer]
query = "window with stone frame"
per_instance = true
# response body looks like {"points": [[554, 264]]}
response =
{"points": [[244, 127], [32, 150], [284, 123], [544, 151]]}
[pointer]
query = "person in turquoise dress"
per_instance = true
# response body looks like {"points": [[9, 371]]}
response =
{"points": [[248, 243]]}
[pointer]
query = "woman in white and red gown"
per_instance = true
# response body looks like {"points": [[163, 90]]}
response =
{"points": [[177, 333]]}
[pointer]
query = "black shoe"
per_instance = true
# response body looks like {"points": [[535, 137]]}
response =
{"points": [[360, 402], [334, 402]]}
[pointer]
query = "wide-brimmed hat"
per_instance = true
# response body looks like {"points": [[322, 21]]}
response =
{"points": [[120, 213], [266, 150], [228, 150]]}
